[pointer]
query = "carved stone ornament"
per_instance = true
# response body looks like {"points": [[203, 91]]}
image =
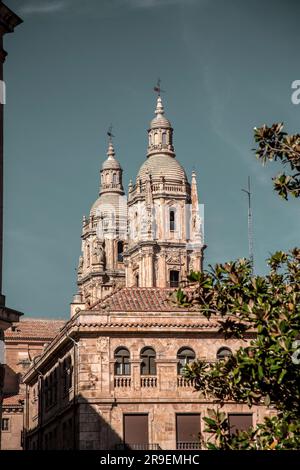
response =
{"points": [[80, 265], [102, 344], [98, 253], [173, 259]]}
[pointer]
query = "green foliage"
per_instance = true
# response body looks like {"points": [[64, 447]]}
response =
{"points": [[263, 372], [276, 433], [274, 144]]}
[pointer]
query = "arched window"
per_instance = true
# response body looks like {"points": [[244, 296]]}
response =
{"points": [[114, 178], [172, 220], [120, 251], [156, 138], [164, 138], [148, 366], [223, 353], [137, 280], [122, 364], [185, 356]]}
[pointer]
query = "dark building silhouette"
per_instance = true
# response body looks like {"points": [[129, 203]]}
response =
{"points": [[8, 21]]}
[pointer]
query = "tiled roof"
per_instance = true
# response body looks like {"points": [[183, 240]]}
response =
{"points": [[139, 299], [13, 400], [34, 328]]}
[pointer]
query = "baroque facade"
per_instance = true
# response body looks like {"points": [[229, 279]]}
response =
{"points": [[111, 378], [153, 239]]}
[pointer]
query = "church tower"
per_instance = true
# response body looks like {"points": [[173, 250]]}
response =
{"points": [[101, 267], [165, 230]]}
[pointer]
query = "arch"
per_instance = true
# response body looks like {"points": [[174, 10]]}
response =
{"points": [[114, 178], [185, 355], [223, 353], [122, 361], [164, 138], [155, 138], [148, 365]]}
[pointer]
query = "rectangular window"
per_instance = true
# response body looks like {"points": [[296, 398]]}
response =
{"points": [[5, 424], [120, 252], [188, 431], [174, 278], [239, 422], [136, 431]]}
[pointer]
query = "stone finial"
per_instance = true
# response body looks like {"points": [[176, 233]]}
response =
{"points": [[194, 191], [159, 111], [111, 150]]}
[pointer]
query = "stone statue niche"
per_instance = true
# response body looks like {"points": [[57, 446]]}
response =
{"points": [[99, 253], [80, 265]]}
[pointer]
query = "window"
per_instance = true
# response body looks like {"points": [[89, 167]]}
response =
{"points": [[174, 278], [50, 390], [122, 364], [5, 424], [136, 431], [55, 386], [67, 373], [114, 178], [223, 353], [137, 280], [120, 252], [184, 356], [172, 220], [187, 431], [239, 422], [88, 255], [164, 138], [46, 392], [148, 366]]}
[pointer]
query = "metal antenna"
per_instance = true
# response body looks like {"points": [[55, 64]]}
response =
{"points": [[250, 225]]}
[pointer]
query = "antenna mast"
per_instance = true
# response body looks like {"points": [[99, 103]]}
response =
{"points": [[250, 224]]}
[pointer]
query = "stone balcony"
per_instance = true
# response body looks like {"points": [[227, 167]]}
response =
{"points": [[160, 187], [125, 383]]}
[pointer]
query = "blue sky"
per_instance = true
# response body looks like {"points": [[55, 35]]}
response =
{"points": [[74, 67]]}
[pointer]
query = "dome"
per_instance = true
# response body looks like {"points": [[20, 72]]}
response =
{"points": [[109, 203], [160, 121], [166, 165]]}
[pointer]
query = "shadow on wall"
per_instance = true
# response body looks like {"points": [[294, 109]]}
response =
{"points": [[12, 381], [75, 425]]}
